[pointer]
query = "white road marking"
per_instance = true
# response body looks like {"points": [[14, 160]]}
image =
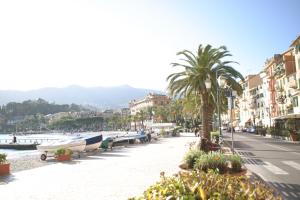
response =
{"points": [[282, 185], [275, 170], [282, 148], [290, 186], [292, 164], [293, 194], [285, 194]]}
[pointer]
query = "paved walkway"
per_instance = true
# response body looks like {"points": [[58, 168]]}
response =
{"points": [[124, 172]]}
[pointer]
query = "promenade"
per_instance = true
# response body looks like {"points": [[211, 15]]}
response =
{"points": [[118, 174]]}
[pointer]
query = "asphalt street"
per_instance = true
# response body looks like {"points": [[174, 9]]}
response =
{"points": [[276, 162]]}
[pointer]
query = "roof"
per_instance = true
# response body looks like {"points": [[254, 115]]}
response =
{"points": [[295, 41]]}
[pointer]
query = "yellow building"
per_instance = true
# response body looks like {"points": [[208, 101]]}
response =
{"points": [[150, 100]]}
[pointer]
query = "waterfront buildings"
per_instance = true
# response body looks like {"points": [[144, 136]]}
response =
{"points": [[272, 95]]}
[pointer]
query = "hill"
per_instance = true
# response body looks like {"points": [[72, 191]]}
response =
{"points": [[100, 97]]}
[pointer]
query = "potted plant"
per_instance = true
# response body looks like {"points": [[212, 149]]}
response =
{"points": [[63, 154], [291, 126], [4, 166]]}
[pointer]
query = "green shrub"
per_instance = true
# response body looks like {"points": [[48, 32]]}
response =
{"points": [[212, 160], [236, 162], [192, 155], [200, 185], [3, 158], [63, 151]]}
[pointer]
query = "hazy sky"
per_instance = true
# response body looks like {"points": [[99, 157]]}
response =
{"points": [[107, 43]]}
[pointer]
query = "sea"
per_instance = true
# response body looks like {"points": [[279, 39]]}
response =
{"points": [[40, 138]]}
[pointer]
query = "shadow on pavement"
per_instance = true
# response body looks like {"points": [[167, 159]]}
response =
{"points": [[6, 179]]}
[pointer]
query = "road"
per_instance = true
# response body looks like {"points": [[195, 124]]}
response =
{"points": [[275, 161], [119, 174]]}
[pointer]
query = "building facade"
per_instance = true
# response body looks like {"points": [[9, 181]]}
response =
{"points": [[150, 100]]}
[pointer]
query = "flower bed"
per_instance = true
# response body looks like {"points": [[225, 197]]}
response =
{"points": [[210, 185]]}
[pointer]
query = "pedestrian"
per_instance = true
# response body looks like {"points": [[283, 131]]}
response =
{"points": [[14, 139]]}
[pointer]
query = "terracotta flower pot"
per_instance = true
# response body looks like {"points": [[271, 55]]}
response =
{"points": [[62, 158], [4, 169]]}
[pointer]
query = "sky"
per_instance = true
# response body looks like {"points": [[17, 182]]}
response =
{"points": [[93, 43]]}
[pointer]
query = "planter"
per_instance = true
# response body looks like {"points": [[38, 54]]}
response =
{"points": [[62, 158], [240, 173], [294, 136], [4, 169], [184, 166]]}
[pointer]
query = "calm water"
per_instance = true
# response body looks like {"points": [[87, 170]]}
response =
{"points": [[7, 138]]}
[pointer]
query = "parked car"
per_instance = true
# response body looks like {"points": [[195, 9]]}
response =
{"points": [[251, 129], [244, 129], [237, 129]]}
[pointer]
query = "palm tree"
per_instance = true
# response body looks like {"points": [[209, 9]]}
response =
{"points": [[141, 115], [199, 68]]}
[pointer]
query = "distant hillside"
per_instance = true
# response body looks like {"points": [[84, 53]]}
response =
{"points": [[100, 97]]}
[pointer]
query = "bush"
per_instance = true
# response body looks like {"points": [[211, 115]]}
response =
{"points": [[212, 160], [199, 185], [192, 155], [3, 158], [236, 162], [63, 151]]}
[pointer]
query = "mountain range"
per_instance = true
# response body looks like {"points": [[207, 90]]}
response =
{"points": [[99, 97]]}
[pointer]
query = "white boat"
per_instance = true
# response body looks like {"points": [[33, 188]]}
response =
{"points": [[76, 145]]}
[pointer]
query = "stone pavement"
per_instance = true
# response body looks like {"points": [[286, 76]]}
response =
{"points": [[119, 174]]}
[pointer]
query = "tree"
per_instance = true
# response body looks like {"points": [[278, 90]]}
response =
{"points": [[199, 68]]}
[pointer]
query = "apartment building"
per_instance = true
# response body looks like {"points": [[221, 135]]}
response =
{"points": [[273, 95], [247, 101]]}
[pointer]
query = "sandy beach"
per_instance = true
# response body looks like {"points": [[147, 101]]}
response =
{"points": [[118, 174]]}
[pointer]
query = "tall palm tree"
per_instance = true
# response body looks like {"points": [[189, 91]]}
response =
{"points": [[197, 69]]}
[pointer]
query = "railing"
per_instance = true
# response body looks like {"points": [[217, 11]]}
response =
{"points": [[27, 141]]}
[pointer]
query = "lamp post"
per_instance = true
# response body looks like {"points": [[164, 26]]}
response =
{"points": [[269, 113], [207, 86], [220, 83]]}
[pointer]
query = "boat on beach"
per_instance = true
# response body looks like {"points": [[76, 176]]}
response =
{"points": [[93, 142], [76, 145]]}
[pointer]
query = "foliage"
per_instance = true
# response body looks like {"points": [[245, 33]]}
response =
{"points": [[290, 124], [70, 123], [63, 151], [236, 162], [39, 106], [3, 158], [163, 132], [192, 155], [205, 186], [211, 160]]}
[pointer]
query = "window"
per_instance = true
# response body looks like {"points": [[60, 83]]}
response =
{"points": [[299, 62], [299, 83], [295, 101]]}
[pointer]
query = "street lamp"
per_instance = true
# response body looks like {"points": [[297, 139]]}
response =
{"points": [[207, 83], [221, 81], [269, 113]]}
